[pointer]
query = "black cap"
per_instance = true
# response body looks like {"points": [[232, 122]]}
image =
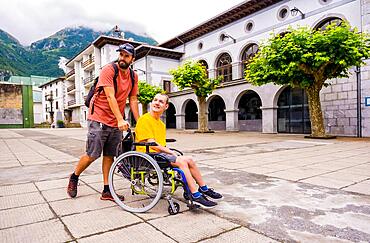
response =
{"points": [[127, 47]]}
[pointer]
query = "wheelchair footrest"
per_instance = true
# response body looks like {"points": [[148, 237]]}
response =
{"points": [[192, 206]]}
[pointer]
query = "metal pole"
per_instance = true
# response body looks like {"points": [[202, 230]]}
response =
{"points": [[359, 114]]}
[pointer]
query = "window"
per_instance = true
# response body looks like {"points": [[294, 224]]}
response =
{"points": [[56, 92], [283, 13], [248, 53], [249, 26], [324, 2], [56, 105], [205, 65], [200, 45], [85, 115], [324, 24], [167, 86], [224, 67]]}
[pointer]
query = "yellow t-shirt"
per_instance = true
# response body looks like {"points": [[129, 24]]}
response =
{"points": [[148, 127]]}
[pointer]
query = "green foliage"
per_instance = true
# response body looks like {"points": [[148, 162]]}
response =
{"points": [[147, 92], [194, 75], [305, 57]]}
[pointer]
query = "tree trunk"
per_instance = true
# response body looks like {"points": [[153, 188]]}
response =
{"points": [[202, 116], [145, 108], [316, 116]]}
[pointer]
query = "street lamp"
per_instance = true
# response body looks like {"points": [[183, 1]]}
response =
{"points": [[225, 36], [294, 11], [49, 97]]}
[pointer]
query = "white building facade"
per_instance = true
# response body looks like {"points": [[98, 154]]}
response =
{"points": [[53, 100], [224, 44]]}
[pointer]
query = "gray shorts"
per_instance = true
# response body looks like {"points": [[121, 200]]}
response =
{"points": [[102, 138]]}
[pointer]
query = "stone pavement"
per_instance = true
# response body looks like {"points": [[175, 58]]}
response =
{"points": [[278, 188]]}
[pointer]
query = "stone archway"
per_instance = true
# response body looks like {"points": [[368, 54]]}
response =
{"points": [[250, 113], [191, 115], [216, 113], [293, 115], [170, 116]]}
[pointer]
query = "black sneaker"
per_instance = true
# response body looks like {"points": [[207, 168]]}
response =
{"points": [[72, 187], [211, 193], [203, 202]]}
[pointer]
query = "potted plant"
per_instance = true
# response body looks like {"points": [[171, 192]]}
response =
{"points": [[60, 124]]}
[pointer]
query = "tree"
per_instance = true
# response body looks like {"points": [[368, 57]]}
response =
{"points": [[147, 93], [308, 59], [194, 75]]}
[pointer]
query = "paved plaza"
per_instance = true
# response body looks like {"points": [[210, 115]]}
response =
{"points": [[277, 188]]}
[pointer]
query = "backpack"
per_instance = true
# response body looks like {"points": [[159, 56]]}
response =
{"points": [[91, 93]]}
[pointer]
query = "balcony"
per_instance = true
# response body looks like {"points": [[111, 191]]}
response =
{"points": [[89, 80], [71, 102], [70, 73], [87, 63], [71, 88]]}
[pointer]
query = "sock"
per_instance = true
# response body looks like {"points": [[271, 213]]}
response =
{"points": [[74, 176], [106, 188], [196, 194], [204, 188]]}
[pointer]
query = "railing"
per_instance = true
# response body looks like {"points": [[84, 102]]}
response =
{"points": [[88, 62], [70, 73], [231, 72], [71, 87], [71, 102], [89, 79]]}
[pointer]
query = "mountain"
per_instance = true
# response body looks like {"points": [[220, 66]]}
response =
{"points": [[42, 57]]}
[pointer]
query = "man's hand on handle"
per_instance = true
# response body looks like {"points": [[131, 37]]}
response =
{"points": [[123, 125]]}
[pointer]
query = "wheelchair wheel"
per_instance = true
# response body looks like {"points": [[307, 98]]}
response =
{"points": [[132, 175], [174, 210]]}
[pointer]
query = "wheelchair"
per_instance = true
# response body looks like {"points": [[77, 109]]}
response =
{"points": [[144, 178]]}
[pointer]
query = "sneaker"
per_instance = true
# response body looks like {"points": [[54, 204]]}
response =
{"points": [[108, 196], [72, 187], [211, 193], [203, 202]]}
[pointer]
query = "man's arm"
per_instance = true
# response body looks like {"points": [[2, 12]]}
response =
{"points": [[161, 148], [109, 92], [134, 106]]}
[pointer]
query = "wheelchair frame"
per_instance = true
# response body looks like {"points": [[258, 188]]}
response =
{"points": [[166, 176]]}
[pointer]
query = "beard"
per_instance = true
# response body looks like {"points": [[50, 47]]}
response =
{"points": [[123, 64]]}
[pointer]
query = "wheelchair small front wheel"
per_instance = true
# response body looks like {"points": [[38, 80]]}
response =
{"points": [[132, 174], [174, 210]]}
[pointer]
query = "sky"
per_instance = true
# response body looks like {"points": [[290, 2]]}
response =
{"points": [[32, 20]]}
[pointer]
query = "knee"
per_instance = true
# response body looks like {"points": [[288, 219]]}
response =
{"points": [[182, 163], [190, 161]]}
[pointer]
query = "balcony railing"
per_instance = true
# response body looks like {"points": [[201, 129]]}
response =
{"points": [[230, 72], [70, 73], [71, 87], [88, 62], [71, 102], [89, 79]]}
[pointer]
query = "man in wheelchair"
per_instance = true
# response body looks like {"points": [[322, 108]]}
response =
{"points": [[150, 128]]}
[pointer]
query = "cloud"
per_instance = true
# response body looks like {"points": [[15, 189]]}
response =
{"points": [[30, 21]]}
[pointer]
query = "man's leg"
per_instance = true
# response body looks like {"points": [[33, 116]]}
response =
{"points": [[203, 188], [198, 198], [83, 163], [107, 163]]}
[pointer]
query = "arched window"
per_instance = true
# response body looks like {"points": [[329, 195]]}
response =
{"points": [[224, 67], [248, 53], [204, 64], [324, 24]]}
